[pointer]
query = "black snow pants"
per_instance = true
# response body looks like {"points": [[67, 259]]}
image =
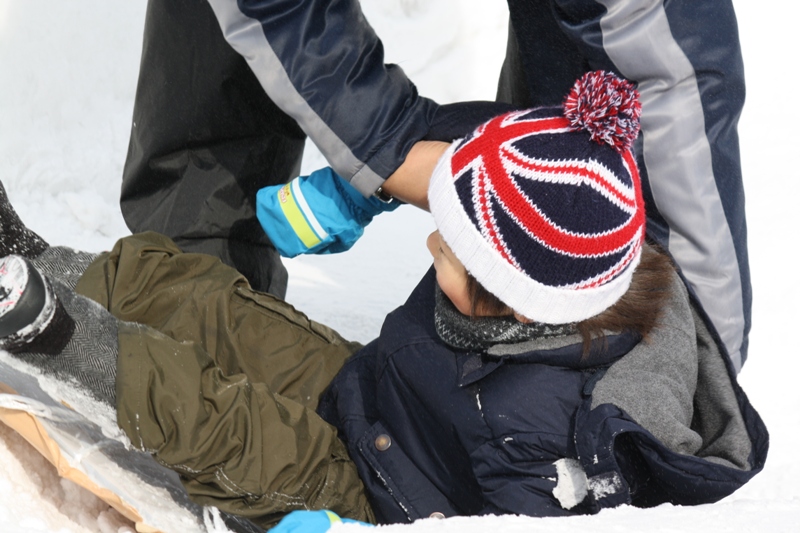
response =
{"points": [[205, 137]]}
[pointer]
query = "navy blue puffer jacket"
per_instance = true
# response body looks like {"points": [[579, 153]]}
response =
{"points": [[537, 429]]}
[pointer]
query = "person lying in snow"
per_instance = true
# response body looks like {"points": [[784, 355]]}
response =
{"points": [[550, 363]]}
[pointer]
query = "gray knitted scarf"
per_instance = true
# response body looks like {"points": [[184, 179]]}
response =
{"points": [[481, 333]]}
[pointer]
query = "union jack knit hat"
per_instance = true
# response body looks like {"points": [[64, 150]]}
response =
{"points": [[544, 207]]}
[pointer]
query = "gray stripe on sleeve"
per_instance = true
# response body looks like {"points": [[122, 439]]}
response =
{"points": [[638, 39], [246, 36]]}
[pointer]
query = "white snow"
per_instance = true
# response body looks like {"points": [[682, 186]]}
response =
{"points": [[571, 487], [68, 79]]}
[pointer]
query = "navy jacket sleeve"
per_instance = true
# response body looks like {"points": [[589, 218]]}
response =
{"points": [[322, 63]]}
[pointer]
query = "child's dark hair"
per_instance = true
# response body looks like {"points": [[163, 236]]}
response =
{"points": [[638, 310]]}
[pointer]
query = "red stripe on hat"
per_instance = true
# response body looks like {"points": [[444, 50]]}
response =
{"points": [[487, 139], [488, 222], [573, 169], [486, 146]]}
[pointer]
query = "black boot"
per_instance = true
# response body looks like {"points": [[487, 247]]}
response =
{"points": [[31, 317], [15, 237], [65, 264], [44, 323]]}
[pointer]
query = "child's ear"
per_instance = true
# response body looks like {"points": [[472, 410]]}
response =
{"points": [[522, 319]]}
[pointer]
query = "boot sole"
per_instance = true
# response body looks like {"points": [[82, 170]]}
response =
{"points": [[30, 304]]}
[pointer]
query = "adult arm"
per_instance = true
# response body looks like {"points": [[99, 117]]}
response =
{"points": [[323, 64], [685, 57], [409, 182]]}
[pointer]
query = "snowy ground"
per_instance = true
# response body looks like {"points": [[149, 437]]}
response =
{"points": [[66, 92]]}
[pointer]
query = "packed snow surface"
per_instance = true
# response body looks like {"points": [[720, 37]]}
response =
{"points": [[68, 80]]}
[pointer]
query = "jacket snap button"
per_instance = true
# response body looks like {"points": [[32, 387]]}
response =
{"points": [[382, 442], [437, 514]]}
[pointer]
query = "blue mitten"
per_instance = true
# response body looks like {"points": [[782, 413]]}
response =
{"points": [[310, 522], [316, 214]]}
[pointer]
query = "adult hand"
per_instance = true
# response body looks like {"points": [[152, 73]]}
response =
{"points": [[409, 182]]}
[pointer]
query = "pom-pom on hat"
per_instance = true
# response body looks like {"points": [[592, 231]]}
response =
{"points": [[544, 206]]}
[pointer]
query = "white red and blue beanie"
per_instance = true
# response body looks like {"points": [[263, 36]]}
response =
{"points": [[544, 206]]}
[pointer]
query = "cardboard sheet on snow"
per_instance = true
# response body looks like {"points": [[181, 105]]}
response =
{"points": [[132, 482]]}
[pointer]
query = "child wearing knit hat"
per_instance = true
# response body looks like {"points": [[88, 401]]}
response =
{"points": [[551, 363], [542, 210]]}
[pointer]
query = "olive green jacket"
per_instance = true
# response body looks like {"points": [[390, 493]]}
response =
{"points": [[220, 383]]}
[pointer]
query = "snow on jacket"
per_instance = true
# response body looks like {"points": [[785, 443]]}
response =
{"points": [[537, 429]]}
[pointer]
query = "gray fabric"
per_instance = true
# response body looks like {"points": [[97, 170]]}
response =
{"points": [[675, 385], [541, 343], [655, 382], [717, 416], [482, 333], [90, 355], [64, 264]]}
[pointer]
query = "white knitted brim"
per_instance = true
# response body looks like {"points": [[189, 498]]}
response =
{"points": [[528, 297]]}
